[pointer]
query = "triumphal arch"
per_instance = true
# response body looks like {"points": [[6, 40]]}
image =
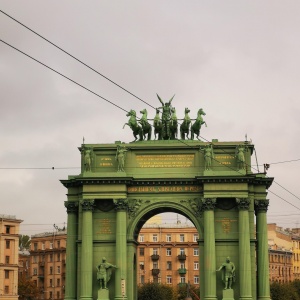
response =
{"points": [[121, 185]]}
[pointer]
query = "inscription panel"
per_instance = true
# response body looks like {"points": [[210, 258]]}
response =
{"points": [[165, 161], [165, 189]]}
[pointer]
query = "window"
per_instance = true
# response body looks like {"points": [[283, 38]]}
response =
{"points": [[7, 242], [51, 258], [35, 246], [51, 246], [58, 269], [196, 252], [168, 238], [50, 283], [43, 246], [57, 295], [169, 251], [195, 238], [181, 237], [7, 259], [58, 256], [142, 251], [196, 265], [142, 266], [58, 244], [51, 270], [196, 279], [35, 271], [50, 295], [155, 265], [6, 274], [181, 251], [141, 238], [6, 289], [182, 265], [7, 229], [169, 279], [155, 251], [143, 279], [34, 259], [182, 279], [154, 237], [169, 265]]}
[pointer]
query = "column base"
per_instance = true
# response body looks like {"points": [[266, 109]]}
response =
{"points": [[120, 298], [103, 294], [228, 294]]}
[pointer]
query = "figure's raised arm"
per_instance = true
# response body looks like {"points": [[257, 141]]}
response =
{"points": [[160, 100]]}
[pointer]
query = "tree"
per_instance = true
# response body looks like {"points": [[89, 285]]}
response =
{"points": [[155, 291], [27, 289], [182, 291], [24, 242], [283, 291]]}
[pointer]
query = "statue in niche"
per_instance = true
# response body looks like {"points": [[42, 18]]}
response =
{"points": [[120, 157], [87, 158], [104, 271], [240, 155], [228, 273], [208, 156]]}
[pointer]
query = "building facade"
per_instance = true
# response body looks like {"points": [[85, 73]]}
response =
{"points": [[281, 256], [47, 264], [9, 247], [168, 253]]}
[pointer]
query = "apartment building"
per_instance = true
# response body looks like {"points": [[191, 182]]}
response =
{"points": [[168, 253], [281, 262], [48, 262], [9, 255]]}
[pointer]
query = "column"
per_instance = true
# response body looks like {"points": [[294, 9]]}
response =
{"points": [[263, 291], [208, 206], [86, 280], [244, 249], [71, 271], [121, 247]]}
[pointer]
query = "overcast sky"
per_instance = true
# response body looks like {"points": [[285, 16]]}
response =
{"points": [[238, 60]]}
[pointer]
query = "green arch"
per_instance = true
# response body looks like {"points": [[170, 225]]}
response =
{"points": [[161, 207]]}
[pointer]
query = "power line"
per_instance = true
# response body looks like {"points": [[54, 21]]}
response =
{"points": [[63, 75], [86, 65]]}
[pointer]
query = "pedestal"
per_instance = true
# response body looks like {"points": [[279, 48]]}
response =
{"points": [[228, 294], [103, 294]]}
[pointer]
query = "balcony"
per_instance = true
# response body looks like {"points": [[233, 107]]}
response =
{"points": [[182, 271], [41, 263], [155, 257], [181, 257], [155, 272], [41, 276]]}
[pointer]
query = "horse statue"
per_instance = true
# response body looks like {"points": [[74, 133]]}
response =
{"points": [[195, 129], [147, 129], [133, 124], [185, 126], [157, 124], [173, 125]]}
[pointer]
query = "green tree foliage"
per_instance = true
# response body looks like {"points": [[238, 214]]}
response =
{"points": [[284, 291], [155, 291], [24, 242], [27, 289]]}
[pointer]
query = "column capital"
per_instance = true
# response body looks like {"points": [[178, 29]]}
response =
{"points": [[87, 205], [261, 205], [243, 203], [121, 204], [209, 203], [72, 206]]}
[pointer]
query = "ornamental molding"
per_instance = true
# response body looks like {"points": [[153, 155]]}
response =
{"points": [[209, 203], [261, 205], [72, 206], [243, 203], [121, 204], [87, 205]]}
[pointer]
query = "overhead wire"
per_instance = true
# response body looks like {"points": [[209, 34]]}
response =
{"points": [[75, 82], [80, 61]]}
